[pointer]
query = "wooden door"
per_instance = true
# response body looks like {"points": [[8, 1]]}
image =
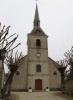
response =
{"points": [[38, 84]]}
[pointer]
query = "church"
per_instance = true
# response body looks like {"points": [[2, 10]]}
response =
{"points": [[37, 70]]}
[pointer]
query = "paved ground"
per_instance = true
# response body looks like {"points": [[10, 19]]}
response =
{"points": [[40, 96]]}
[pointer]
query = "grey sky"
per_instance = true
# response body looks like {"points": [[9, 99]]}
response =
{"points": [[56, 18]]}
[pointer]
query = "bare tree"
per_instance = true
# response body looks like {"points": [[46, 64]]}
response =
{"points": [[12, 63], [6, 41], [6, 47], [62, 68], [69, 59]]}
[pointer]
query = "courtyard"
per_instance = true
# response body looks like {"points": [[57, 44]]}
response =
{"points": [[40, 96]]}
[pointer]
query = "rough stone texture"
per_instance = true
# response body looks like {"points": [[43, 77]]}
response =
{"points": [[28, 74], [54, 80], [20, 82], [48, 66]]}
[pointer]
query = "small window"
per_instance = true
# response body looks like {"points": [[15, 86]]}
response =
{"points": [[18, 73], [54, 73], [38, 43], [38, 32], [38, 68]]}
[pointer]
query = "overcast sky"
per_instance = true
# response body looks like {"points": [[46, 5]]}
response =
{"points": [[56, 18]]}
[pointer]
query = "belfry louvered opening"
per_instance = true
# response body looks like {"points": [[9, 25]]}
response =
{"points": [[38, 42]]}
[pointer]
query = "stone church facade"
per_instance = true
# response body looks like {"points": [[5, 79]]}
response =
{"points": [[37, 70]]}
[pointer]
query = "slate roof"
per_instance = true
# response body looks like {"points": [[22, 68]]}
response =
{"points": [[37, 24]]}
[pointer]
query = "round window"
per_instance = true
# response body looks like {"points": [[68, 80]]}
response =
{"points": [[18, 73], [54, 73], [38, 54]]}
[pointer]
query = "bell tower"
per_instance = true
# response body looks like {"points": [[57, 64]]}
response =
{"points": [[37, 56]]}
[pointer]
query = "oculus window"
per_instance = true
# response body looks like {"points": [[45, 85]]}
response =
{"points": [[18, 73], [38, 55], [54, 73]]}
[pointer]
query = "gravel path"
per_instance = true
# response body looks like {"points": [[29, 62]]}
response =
{"points": [[40, 96]]}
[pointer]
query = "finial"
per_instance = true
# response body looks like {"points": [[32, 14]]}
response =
{"points": [[36, 1]]}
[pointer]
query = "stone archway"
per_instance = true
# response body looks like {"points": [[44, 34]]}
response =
{"points": [[38, 84]]}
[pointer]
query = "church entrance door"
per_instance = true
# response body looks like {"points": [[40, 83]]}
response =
{"points": [[38, 84]]}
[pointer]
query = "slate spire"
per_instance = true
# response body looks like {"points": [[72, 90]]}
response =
{"points": [[36, 18]]}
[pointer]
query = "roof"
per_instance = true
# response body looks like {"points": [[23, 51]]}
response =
{"points": [[35, 29], [37, 24], [57, 65], [36, 14]]}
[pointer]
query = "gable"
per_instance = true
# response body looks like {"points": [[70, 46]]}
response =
{"points": [[38, 31]]}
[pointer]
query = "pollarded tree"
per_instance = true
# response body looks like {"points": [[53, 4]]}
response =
{"points": [[6, 46], [63, 65], [12, 63]]}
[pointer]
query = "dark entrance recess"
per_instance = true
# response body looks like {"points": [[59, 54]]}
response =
{"points": [[38, 84]]}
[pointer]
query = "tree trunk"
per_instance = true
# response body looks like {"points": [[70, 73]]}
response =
{"points": [[8, 82]]}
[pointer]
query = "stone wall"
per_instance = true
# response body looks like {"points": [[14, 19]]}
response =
{"points": [[54, 79], [20, 81]]}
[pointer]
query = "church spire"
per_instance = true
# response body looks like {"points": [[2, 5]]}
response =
{"points": [[36, 18]]}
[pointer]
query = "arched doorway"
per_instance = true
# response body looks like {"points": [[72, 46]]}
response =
{"points": [[38, 84]]}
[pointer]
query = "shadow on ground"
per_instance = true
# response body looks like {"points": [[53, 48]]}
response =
{"points": [[68, 97]]}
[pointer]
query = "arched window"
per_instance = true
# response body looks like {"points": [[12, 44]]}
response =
{"points": [[38, 43], [38, 68], [38, 32]]}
